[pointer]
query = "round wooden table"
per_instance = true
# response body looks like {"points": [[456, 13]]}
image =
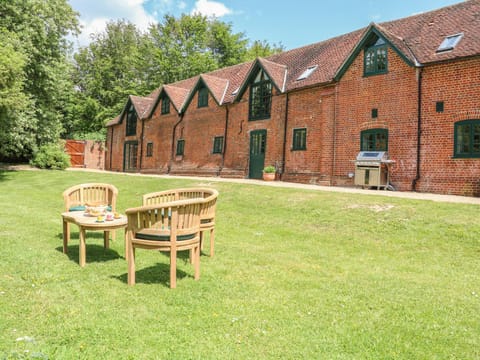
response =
{"points": [[86, 222]]}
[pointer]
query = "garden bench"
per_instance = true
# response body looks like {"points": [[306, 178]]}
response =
{"points": [[167, 226], [207, 213]]}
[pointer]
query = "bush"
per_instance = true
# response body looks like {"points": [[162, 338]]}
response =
{"points": [[51, 156]]}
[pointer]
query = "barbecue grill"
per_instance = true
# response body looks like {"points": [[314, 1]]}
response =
{"points": [[372, 169]]}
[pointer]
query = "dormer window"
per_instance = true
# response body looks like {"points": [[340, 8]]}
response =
{"points": [[376, 60], [450, 42], [260, 97], [202, 97], [307, 72], [131, 126], [165, 105]]}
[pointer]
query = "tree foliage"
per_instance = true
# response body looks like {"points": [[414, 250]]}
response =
{"points": [[34, 48]]}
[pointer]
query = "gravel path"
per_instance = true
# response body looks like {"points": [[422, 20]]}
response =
{"points": [[397, 194]]}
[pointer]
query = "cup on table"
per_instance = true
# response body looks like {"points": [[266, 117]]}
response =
{"points": [[109, 217], [100, 218]]}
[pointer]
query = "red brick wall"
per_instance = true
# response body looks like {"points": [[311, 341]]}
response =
{"points": [[239, 128], [198, 128], [395, 96], [95, 154], [312, 109], [458, 86], [158, 131]]}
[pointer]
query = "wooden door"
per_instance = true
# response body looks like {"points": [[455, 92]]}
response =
{"points": [[76, 150], [258, 143]]}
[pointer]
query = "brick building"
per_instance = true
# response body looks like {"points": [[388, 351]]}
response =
{"points": [[410, 87]]}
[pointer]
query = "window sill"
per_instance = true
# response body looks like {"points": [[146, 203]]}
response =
{"points": [[466, 157]]}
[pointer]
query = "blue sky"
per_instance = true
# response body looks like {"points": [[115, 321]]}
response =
{"points": [[290, 23]]}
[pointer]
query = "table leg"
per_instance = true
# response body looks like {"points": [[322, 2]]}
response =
{"points": [[82, 250], [66, 235], [106, 237]]}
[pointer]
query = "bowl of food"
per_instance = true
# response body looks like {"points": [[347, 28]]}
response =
{"points": [[97, 210]]}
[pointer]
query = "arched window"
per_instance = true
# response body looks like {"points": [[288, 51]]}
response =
{"points": [[165, 105], [376, 60], [374, 139], [260, 97], [202, 97], [467, 139], [131, 121]]}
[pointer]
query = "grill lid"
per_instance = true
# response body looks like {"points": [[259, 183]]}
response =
{"points": [[372, 156]]}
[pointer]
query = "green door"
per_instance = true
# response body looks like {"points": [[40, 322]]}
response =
{"points": [[258, 142], [130, 152]]}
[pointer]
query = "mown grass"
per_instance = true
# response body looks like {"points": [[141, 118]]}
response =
{"points": [[298, 274]]}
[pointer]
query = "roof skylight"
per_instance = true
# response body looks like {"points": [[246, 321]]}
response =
{"points": [[450, 42], [307, 72]]}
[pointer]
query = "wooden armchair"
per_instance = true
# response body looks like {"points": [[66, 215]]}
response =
{"points": [[78, 197], [170, 227], [207, 213]]}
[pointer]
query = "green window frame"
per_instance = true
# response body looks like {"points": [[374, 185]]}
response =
{"points": [[131, 126], [467, 139], [165, 106], [202, 97], [180, 147], [260, 97], [299, 139], [375, 59], [374, 140], [149, 149], [218, 145]]}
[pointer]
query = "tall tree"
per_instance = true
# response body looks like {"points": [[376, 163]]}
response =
{"points": [[41, 27], [16, 107], [107, 71]]}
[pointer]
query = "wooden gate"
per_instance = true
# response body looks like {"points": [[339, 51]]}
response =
{"points": [[76, 150]]}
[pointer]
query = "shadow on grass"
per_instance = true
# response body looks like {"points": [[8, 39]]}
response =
{"points": [[157, 274], [4, 175], [95, 252]]}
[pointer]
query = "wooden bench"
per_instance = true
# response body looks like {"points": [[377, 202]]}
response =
{"points": [[207, 213], [167, 226]]}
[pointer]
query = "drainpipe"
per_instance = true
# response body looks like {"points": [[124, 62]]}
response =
{"points": [[141, 146], [419, 126], [225, 133], [334, 143], [284, 155], [173, 143], [111, 147]]}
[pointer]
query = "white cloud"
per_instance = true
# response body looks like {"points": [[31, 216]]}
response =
{"points": [[94, 15], [182, 5], [211, 8]]}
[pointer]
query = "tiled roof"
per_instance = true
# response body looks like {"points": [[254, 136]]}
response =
{"points": [[277, 72], [423, 33], [217, 87], [416, 38], [177, 95], [235, 75], [141, 105], [327, 55], [114, 121]]}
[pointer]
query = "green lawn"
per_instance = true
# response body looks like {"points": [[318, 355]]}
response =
{"points": [[297, 274]]}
